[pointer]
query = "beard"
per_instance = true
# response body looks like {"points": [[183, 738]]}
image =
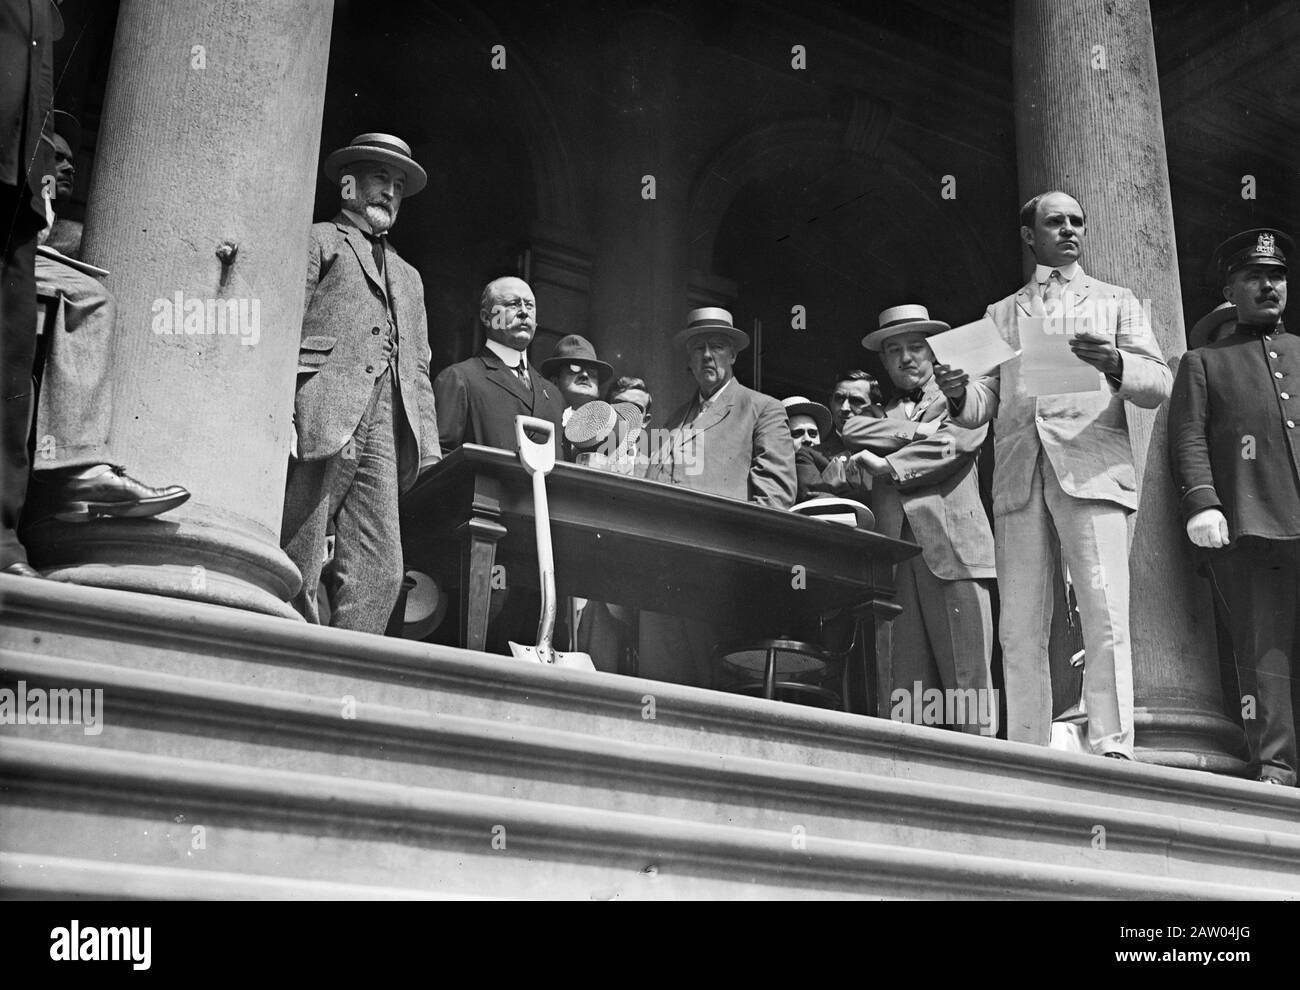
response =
{"points": [[378, 217]]}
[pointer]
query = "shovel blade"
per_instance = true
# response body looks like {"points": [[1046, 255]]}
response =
{"points": [[528, 653], [570, 661]]}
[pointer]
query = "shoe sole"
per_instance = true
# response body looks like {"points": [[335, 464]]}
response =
{"points": [[143, 509]]}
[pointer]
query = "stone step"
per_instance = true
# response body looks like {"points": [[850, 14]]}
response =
{"points": [[193, 640], [286, 829], [247, 726]]}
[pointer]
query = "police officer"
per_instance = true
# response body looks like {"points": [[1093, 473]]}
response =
{"points": [[1234, 429]]}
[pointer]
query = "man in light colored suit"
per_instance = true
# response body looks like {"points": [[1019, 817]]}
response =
{"points": [[727, 440], [364, 418], [1063, 470], [926, 489]]}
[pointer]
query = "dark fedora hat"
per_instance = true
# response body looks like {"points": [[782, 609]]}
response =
{"points": [[375, 147], [710, 320], [578, 350]]}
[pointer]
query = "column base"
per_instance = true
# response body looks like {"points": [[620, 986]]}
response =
{"points": [[200, 561], [1190, 739]]}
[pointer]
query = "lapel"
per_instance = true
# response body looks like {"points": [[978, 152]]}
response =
{"points": [[361, 248], [718, 411], [541, 387], [1079, 289], [497, 373], [1025, 299]]}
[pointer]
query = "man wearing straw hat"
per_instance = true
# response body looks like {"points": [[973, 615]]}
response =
{"points": [[364, 410], [727, 440], [925, 488]]}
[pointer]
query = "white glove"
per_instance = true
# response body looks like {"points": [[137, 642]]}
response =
{"points": [[1209, 529]]}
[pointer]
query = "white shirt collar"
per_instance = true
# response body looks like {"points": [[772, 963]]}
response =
{"points": [[1043, 272], [508, 355], [705, 403]]}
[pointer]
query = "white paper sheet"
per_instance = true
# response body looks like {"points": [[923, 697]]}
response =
{"points": [[1047, 365], [976, 348]]}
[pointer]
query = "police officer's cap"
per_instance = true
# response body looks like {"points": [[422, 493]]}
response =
{"points": [[1262, 246]]}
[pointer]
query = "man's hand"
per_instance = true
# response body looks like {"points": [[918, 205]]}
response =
{"points": [[952, 382], [1209, 529], [1101, 354], [872, 464]]}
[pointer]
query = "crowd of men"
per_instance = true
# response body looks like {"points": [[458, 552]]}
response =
{"points": [[369, 419]]}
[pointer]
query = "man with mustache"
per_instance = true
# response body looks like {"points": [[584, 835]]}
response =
{"points": [[479, 398], [1233, 424], [364, 410], [1063, 472]]}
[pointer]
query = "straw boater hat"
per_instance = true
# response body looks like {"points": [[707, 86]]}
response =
{"points": [[1204, 328], [375, 147], [67, 127], [577, 349], [902, 319], [797, 405], [710, 320]]}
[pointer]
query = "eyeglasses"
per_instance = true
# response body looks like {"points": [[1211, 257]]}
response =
{"points": [[581, 369]]}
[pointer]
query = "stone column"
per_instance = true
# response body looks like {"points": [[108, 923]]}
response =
{"points": [[1088, 121], [200, 208], [639, 297]]}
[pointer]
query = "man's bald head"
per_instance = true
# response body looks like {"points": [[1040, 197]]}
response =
{"points": [[508, 312]]}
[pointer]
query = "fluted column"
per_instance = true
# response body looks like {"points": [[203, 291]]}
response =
{"points": [[200, 208], [1088, 121]]}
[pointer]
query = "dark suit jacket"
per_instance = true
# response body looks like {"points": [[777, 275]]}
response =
{"points": [[938, 488], [740, 447], [479, 398], [25, 99], [342, 351], [1229, 441]]}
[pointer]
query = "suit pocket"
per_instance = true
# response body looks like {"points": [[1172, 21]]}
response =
{"points": [[313, 352]]}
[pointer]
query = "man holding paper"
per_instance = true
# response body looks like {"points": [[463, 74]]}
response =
{"points": [[926, 489], [1063, 470]]}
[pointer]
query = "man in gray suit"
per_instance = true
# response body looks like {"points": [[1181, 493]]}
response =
{"points": [[727, 440], [926, 489], [1063, 470], [364, 418]]}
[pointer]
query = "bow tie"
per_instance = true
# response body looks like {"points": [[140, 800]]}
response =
{"points": [[912, 396]]}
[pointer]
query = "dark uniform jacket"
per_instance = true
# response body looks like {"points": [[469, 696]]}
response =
{"points": [[1234, 432]]}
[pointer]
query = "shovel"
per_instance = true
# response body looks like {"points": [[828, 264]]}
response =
{"points": [[538, 458]]}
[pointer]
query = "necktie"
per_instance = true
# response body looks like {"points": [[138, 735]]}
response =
{"points": [[522, 372], [377, 249], [912, 396], [1052, 292]]}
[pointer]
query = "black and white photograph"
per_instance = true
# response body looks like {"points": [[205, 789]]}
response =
{"points": [[650, 450]]}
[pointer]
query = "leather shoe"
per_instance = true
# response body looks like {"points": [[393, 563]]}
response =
{"points": [[112, 493], [1265, 779], [20, 568]]}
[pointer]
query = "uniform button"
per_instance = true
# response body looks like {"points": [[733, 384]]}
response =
{"points": [[370, 369], [1272, 354], [1285, 395], [1277, 374], [1290, 424], [375, 331]]}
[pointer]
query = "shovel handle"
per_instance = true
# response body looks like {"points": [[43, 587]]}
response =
{"points": [[536, 456]]}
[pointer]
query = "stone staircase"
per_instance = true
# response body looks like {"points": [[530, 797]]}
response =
{"points": [[247, 756]]}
